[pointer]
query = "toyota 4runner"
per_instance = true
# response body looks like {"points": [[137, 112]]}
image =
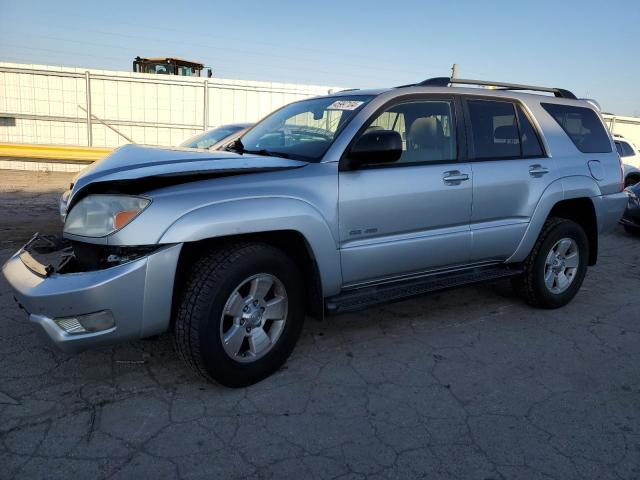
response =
{"points": [[328, 205]]}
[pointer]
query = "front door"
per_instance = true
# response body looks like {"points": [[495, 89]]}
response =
{"points": [[412, 215]]}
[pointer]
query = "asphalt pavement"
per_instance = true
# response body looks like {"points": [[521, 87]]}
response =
{"points": [[465, 384]]}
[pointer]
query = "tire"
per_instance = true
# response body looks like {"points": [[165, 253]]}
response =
{"points": [[531, 284], [213, 287]]}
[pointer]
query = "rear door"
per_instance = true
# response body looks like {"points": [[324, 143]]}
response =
{"points": [[510, 172], [412, 215]]}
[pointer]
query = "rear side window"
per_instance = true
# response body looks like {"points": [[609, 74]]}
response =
{"points": [[583, 127], [495, 129], [619, 148], [501, 130], [530, 142]]}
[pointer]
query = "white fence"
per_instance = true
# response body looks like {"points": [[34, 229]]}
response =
{"points": [[66, 106], [628, 127]]}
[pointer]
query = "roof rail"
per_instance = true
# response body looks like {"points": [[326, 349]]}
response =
{"points": [[446, 81]]}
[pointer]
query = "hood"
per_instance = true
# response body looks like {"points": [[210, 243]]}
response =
{"points": [[134, 162]]}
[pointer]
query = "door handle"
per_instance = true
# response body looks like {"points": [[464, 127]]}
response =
{"points": [[537, 170], [454, 177]]}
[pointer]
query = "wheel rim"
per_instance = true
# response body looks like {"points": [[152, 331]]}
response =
{"points": [[253, 317], [561, 265]]}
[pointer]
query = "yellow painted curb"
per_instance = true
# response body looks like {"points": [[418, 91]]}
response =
{"points": [[53, 152]]}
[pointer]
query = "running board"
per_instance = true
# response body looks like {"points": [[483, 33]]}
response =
{"points": [[364, 297]]}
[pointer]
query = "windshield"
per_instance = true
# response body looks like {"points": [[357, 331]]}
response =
{"points": [[206, 139], [303, 130]]}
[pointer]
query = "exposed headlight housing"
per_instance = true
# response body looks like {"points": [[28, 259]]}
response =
{"points": [[101, 215]]}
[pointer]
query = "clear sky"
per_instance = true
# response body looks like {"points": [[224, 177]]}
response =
{"points": [[590, 47]]}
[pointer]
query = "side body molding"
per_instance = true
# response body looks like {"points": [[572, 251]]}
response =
{"points": [[566, 188], [254, 215]]}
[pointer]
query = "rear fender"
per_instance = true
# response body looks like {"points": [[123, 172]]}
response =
{"points": [[562, 189]]}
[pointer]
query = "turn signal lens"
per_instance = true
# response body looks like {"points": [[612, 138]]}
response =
{"points": [[122, 218]]}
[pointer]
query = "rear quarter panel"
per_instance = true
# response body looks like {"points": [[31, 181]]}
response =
{"points": [[572, 177]]}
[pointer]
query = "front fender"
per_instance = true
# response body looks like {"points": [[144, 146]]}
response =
{"points": [[255, 215], [561, 189]]}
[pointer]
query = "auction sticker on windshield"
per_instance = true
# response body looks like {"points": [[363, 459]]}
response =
{"points": [[345, 105]]}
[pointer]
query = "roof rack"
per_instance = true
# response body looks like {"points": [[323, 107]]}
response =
{"points": [[446, 81]]}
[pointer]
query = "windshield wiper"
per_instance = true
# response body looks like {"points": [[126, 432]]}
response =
{"points": [[268, 153], [235, 146]]}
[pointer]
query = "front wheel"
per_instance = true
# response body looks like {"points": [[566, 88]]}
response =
{"points": [[556, 266], [241, 313]]}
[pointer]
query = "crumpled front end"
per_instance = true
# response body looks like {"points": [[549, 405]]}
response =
{"points": [[79, 308]]}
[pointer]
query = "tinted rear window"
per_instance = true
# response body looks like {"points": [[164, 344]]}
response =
{"points": [[530, 142], [583, 127]]}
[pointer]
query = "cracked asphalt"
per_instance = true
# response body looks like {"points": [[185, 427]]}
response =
{"points": [[465, 384]]}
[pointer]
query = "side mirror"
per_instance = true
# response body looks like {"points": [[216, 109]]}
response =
{"points": [[377, 146]]}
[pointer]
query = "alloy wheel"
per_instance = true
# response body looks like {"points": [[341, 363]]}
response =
{"points": [[561, 265], [253, 317]]}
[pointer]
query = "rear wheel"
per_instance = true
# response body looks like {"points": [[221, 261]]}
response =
{"points": [[557, 265], [240, 314], [633, 230]]}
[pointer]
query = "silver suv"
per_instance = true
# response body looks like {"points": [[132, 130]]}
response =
{"points": [[328, 205]]}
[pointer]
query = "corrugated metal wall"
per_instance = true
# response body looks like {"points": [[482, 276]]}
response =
{"points": [[47, 105]]}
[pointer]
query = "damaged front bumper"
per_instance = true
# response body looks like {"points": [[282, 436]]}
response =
{"points": [[80, 309]]}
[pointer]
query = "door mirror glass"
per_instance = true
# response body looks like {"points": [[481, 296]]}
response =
{"points": [[376, 146]]}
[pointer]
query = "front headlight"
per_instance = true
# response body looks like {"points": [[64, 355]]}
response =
{"points": [[101, 215]]}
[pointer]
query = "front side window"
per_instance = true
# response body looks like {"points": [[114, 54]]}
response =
{"points": [[619, 149], [582, 125], [303, 130], [427, 129], [627, 150]]}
